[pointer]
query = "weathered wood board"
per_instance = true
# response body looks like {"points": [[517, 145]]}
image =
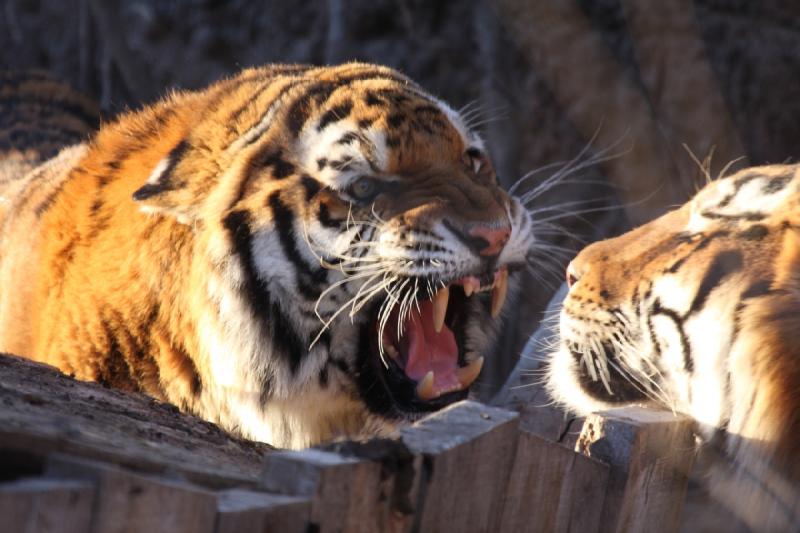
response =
{"points": [[45, 506], [464, 454], [45, 411], [245, 511], [552, 488], [127, 502], [650, 453]]}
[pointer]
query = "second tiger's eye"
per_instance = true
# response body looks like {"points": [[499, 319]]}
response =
{"points": [[363, 189]]}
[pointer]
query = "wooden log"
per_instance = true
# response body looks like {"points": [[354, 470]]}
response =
{"points": [[126, 502], [245, 511], [45, 506], [552, 488], [464, 456], [44, 411], [650, 453], [348, 492]]}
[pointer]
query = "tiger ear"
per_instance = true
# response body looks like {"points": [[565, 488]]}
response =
{"points": [[165, 192]]}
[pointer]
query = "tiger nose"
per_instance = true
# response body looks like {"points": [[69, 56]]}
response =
{"points": [[489, 240], [573, 273]]}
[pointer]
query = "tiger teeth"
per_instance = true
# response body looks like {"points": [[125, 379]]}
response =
{"points": [[468, 374], [440, 300], [425, 387], [471, 285], [499, 292], [391, 351]]}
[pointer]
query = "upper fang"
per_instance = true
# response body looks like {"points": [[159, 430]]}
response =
{"points": [[440, 300], [499, 292]]}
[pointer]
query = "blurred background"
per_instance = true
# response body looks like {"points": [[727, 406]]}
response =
{"points": [[660, 85]]}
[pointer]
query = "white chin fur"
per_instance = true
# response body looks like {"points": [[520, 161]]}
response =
{"points": [[564, 387]]}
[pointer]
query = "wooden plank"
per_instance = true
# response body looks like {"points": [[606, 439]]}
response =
{"points": [[44, 411], [551, 423], [465, 452], [245, 511], [127, 502], [347, 492], [651, 453], [39, 505], [552, 488]]}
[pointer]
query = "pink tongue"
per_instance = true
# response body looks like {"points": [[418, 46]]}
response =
{"points": [[427, 350]]}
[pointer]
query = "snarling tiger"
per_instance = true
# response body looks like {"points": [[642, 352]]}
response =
{"points": [[699, 311], [296, 253]]}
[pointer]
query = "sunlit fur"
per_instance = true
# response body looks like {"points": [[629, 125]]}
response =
{"points": [[699, 311], [208, 250]]}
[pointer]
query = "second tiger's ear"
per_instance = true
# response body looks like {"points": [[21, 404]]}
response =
{"points": [[167, 191]]}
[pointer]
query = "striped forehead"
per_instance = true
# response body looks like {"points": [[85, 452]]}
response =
{"points": [[349, 139], [749, 196]]}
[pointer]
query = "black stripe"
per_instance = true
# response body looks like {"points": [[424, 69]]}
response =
{"points": [[45, 204], [300, 109], [395, 120], [311, 186], [285, 89], [682, 238], [756, 289], [164, 182], [348, 137], [324, 217], [280, 329], [281, 168], [658, 309], [237, 223], [750, 216], [283, 218], [335, 114], [776, 184], [285, 338], [756, 232], [723, 265]]}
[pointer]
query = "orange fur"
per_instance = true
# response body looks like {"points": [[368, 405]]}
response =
{"points": [[706, 300], [130, 260]]}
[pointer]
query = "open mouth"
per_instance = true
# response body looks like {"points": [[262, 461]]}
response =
{"points": [[429, 360]]}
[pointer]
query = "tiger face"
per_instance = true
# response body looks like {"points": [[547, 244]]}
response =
{"points": [[314, 251], [698, 311]]}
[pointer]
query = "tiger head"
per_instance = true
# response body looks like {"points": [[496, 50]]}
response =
{"points": [[359, 242], [697, 311]]}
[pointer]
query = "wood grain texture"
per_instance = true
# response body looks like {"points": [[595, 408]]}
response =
{"points": [[552, 488], [651, 453], [44, 411], [347, 493], [36, 505], [464, 457], [245, 511]]}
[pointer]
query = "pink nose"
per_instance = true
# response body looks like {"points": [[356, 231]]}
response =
{"points": [[495, 238]]}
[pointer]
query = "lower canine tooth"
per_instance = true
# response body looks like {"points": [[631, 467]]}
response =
{"points": [[440, 300], [391, 351], [499, 292], [468, 374], [469, 287], [425, 387]]}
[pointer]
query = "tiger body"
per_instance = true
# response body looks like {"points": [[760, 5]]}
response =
{"points": [[232, 250], [698, 311]]}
